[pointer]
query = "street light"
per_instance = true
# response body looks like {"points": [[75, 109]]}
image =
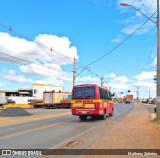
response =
{"points": [[74, 73], [82, 70], [158, 52], [125, 4]]}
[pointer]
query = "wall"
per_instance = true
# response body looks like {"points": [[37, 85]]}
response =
{"points": [[2, 97], [40, 88], [20, 100]]}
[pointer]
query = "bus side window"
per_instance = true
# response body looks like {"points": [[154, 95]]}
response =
{"points": [[110, 96], [103, 94], [106, 95], [100, 93]]}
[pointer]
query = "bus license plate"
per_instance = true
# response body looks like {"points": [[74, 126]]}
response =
{"points": [[83, 112]]}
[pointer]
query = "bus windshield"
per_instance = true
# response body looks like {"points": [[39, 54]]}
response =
{"points": [[84, 92]]}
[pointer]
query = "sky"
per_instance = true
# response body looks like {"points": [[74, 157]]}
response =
{"points": [[40, 39]]}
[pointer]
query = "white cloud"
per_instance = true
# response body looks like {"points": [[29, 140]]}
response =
{"points": [[62, 53], [144, 84], [1, 85], [152, 55], [129, 20], [19, 48], [154, 64], [117, 40], [47, 70], [148, 7], [13, 77], [145, 6], [133, 27], [88, 79], [11, 72], [41, 69], [40, 82], [120, 86], [121, 79], [145, 76], [145, 88], [112, 75], [54, 81], [46, 54], [39, 49]]}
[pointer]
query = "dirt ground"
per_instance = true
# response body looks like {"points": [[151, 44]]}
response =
{"points": [[8, 121], [136, 131]]}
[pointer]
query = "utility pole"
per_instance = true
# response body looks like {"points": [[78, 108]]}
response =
{"points": [[158, 63], [158, 53], [74, 71], [101, 81], [137, 93]]}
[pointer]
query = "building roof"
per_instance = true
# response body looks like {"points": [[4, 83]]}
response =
{"points": [[46, 85], [9, 91], [25, 89]]}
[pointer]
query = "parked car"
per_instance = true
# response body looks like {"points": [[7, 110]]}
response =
{"points": [[127, 102], [153, 101], [10, 101]]}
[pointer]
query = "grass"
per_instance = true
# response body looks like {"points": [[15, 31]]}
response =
{"points": [[147, 104], [156, 120]]}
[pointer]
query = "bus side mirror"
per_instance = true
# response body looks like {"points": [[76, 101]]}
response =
{"points": [[113, 94]]}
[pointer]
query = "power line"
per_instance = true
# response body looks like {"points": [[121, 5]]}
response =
{"points": [[120, 43], [151, 50], [49, 73], [85, 79], [88, 70], [38, 43], [19, 59]]}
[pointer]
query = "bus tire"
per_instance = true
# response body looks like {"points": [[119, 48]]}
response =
{"points": [[102, 117], [83, 118], [111, 114], [94, 117]]}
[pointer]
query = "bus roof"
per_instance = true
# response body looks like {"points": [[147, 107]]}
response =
{"points": [[81, 85]]}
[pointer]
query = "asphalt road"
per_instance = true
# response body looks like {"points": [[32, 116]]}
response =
{"points": [[60, 132], [150, 108]]}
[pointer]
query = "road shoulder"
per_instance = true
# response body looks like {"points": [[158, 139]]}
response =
{"points": [[135, 131]]}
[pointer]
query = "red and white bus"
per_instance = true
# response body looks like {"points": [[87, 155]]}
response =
{"points": [[91, 100]]}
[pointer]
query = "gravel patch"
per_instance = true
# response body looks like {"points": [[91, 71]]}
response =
{"points": [[11, 112]]}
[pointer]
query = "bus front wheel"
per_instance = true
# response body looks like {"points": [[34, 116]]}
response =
{"points": [[83, 118]]}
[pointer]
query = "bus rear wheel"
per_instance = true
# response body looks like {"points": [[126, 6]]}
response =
{"points": [[111, 114], [83, 118], [102, 117]]}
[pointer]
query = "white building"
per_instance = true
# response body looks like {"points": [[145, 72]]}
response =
{"points": [[38, 90], [21, 96]]}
